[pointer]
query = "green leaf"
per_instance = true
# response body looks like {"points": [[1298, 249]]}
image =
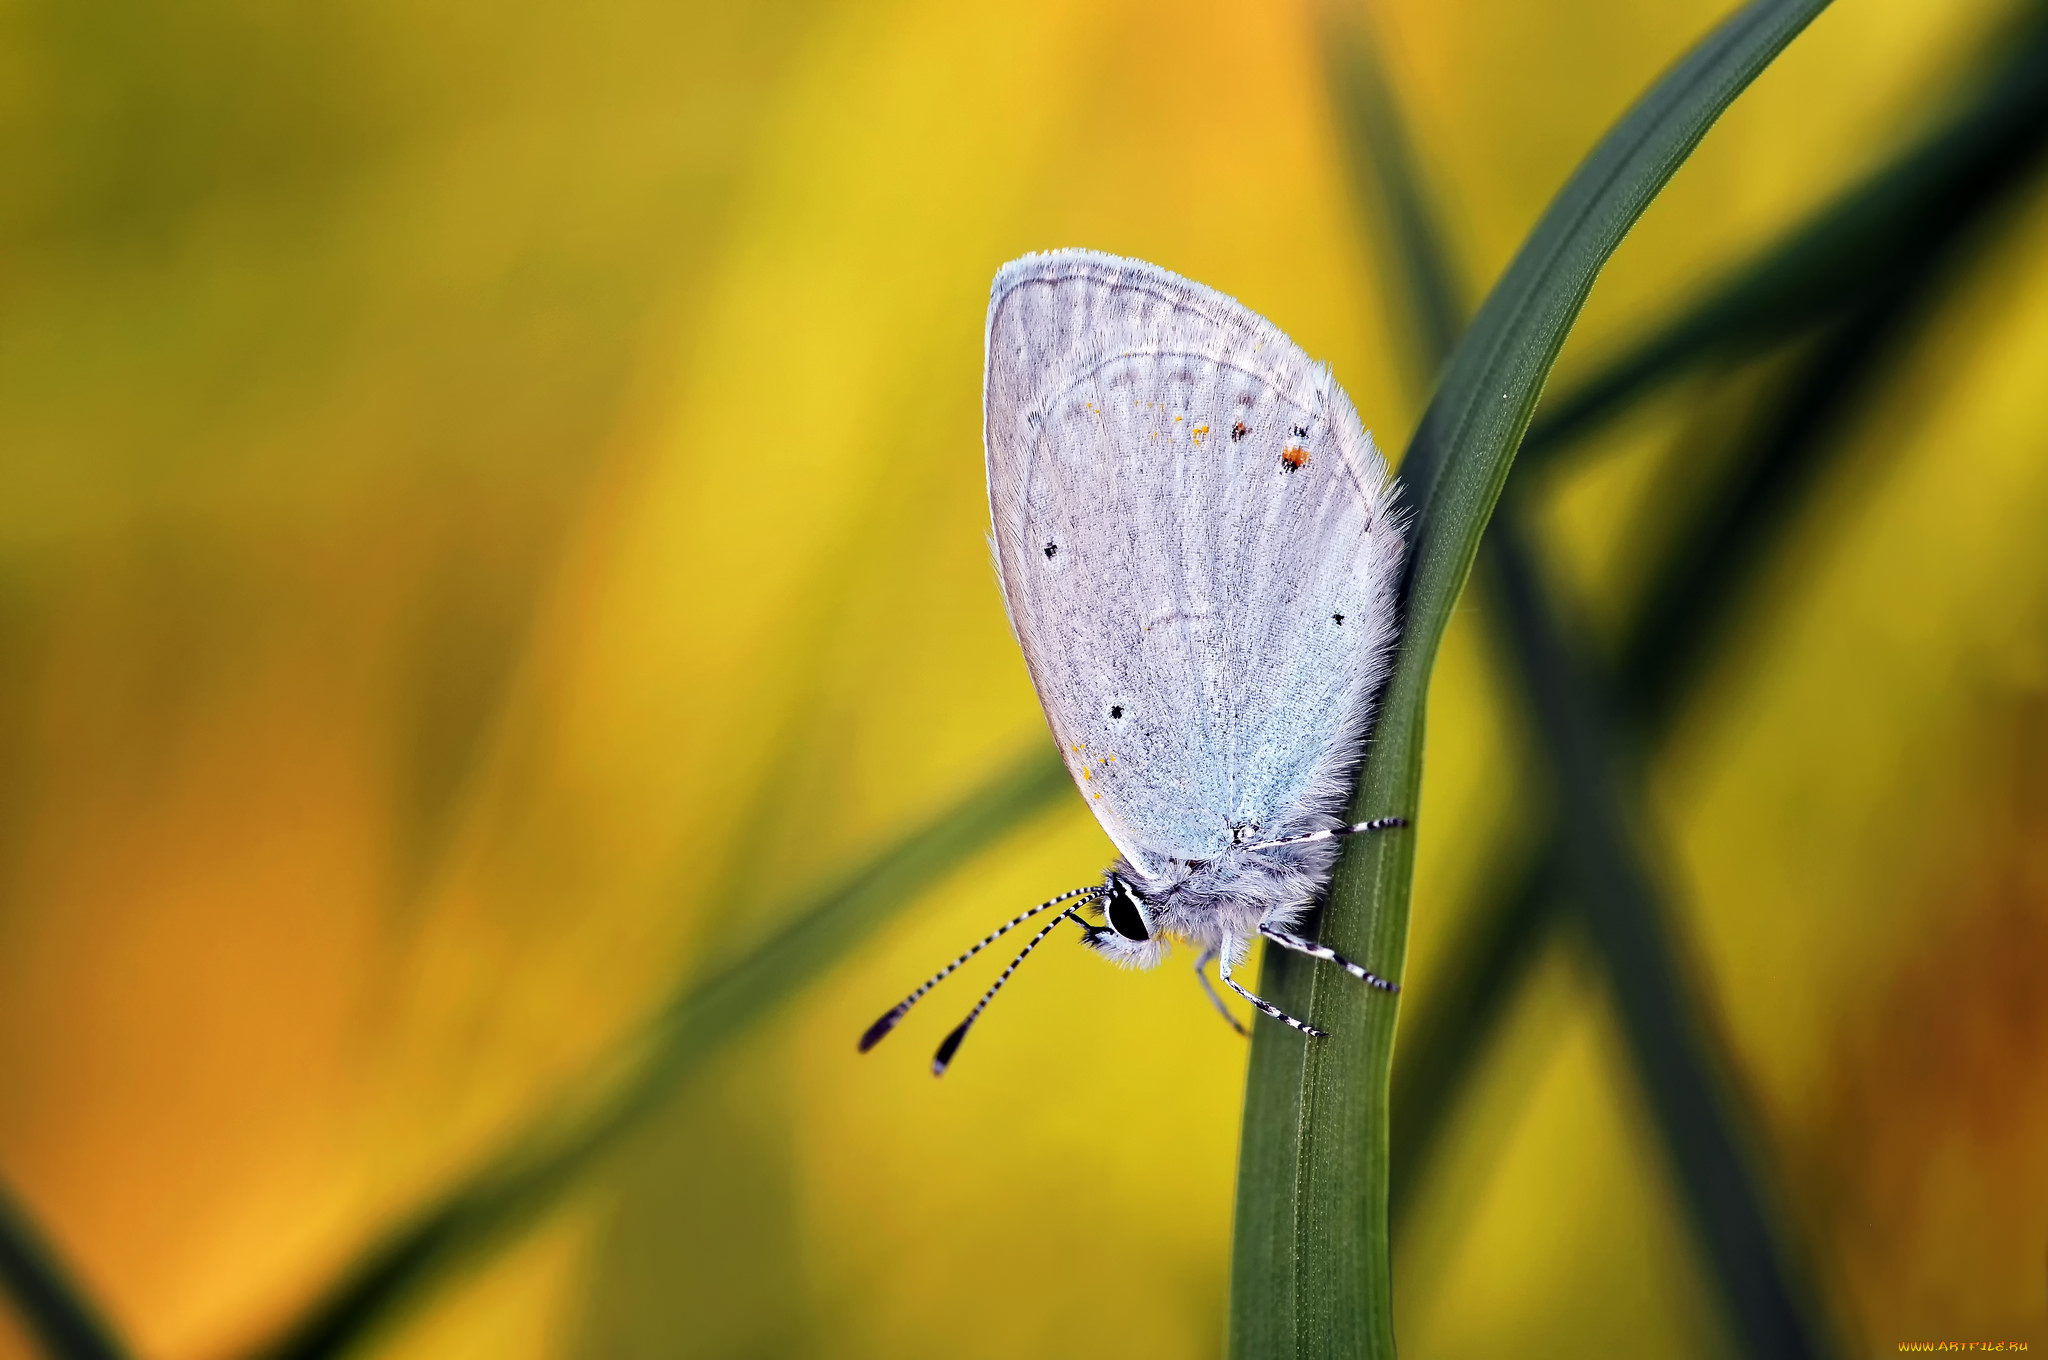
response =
{"points": [[512, 1191], [1311, 1274], [56, 1312]]}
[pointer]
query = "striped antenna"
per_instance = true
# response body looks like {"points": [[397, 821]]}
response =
{"points": [[1376, 824], [880, 1029], [947, 1049]]}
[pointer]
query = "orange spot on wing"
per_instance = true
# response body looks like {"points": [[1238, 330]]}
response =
{"points": [[1294, 458]]}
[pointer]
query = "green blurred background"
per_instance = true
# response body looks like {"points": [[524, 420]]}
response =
{"points": [[491, 521]]}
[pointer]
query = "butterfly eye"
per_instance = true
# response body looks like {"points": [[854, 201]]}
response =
{"points": [[1126, 914]]}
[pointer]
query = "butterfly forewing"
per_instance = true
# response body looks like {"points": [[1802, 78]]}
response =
{"points": [[1196, 548]]}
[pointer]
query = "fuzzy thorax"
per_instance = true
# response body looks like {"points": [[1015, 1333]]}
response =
{"points": [[1209, 902]]}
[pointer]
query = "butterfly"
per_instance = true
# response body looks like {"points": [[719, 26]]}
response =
{"points": [[1198, 545]]}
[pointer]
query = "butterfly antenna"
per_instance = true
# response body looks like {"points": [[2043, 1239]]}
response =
{"points": [[951, 1045], [1356, 828], [880, 1029]]}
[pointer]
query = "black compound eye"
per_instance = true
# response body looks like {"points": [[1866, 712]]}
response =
{"points": [[1124, 916]]}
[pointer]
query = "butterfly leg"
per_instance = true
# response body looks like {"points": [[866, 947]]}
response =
{"points": [[1202, 976], [1316, 951], [1223, 969]]}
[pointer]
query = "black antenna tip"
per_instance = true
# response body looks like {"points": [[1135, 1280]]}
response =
{"points": [[880, 1029], [944, 1056]]}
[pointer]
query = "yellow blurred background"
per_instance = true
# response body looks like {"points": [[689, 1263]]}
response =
{"points": [[491, 512]]}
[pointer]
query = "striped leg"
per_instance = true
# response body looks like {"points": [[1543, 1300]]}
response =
{"points": [[951, 1044], [1356, 828], [1223, 969], [1316, 951], [1202, 976], [880, 1029]]}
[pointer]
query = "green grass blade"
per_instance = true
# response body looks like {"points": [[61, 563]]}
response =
{"points": [[1310, 1275], [1689, 1099], [512, 1192], [1719, 549], [1667, 650], [1488, 963], [52, 1307], [1682, 617], [1852, 249]]}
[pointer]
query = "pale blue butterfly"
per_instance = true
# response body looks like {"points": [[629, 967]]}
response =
{"points": [[1198, 547]]}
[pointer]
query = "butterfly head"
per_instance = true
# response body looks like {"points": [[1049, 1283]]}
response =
{"points": [[1127, 935]]}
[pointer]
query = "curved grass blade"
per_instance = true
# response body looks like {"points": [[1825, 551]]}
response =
{"points": [[512, 1191], [1489, 961], [1682, 620], [56, 1312], [1665, 654], [1717, 552], [1832, 266], [1310, 1276]]}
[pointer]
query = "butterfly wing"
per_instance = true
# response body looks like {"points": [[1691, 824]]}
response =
{"points": [[1197, 546]]}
